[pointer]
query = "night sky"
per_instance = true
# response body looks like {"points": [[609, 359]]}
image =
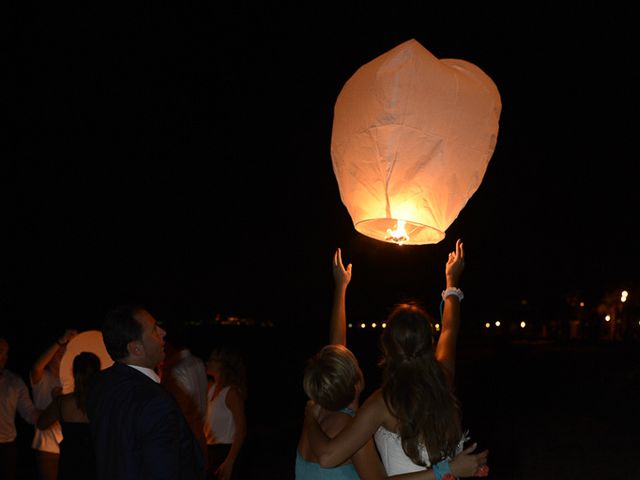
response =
{"points": [[179, 156]]}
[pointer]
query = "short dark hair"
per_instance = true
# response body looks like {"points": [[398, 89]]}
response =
{"points": [[119, 328]]}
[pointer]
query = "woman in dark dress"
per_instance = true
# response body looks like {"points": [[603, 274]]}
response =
{"points": [[77, 459]]}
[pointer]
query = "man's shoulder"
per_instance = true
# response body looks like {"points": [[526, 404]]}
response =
{"points": [[124, 372], [13, 379], [121, 385]]}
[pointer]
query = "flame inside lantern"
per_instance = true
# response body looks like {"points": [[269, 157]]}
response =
{"points": [[398, 234]]}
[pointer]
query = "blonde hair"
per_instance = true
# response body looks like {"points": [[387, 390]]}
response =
{"points": [[331, 376], [234, 371]]}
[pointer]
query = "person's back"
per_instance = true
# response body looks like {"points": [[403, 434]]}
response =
{"points": [[137, 427], [77, 458], [333, 379], [184, 376], [124, 406], [307, 466], [333, 420]]}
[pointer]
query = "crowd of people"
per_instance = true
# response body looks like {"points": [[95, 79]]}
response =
{"points": [[161, 412], [154, 413]]}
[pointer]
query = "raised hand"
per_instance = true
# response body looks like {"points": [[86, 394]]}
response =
{"points": [[341, 275], [455, 265], [68, 335]]}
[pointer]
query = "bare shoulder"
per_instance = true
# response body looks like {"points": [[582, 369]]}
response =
{"points": [[377, 407], [334, 422], [375, 402]]}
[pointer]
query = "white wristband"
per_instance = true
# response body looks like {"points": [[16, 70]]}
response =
{"points": [[453, 291]]}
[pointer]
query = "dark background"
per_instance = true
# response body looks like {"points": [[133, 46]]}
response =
{"points": [[179, 156]]}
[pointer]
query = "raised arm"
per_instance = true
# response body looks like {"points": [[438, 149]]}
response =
{"points": [[37, 370], [341, 277], [446, 348]]}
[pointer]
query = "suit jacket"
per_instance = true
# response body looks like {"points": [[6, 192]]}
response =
{"points": [[138, 429]]}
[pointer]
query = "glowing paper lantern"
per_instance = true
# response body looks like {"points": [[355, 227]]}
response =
{"points": [[412, 137], [89, 341]]}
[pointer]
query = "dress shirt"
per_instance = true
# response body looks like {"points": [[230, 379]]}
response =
{"points": [[190, 374], [147, 371], [14, 397]]}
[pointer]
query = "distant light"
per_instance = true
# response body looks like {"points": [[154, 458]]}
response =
{"points": [[582, 304], [607, 318], [625, 293], [498, 323], [437, 327], [523, 302], [487, 325], [363, 325], [523, 324], [384, 325], [373, 325], [351, 325]]}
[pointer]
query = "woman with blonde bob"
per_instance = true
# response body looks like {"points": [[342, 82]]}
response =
{"points": [[333, 381], [225, 425]]}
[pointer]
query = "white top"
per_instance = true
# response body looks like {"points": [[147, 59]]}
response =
{"points": [[46, 440], [191, 375], [14, 397], [146, 371], [219, 426], [394, 459]]}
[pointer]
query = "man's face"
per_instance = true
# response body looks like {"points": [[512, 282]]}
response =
{"points": [[4, 352], [152, 343]]}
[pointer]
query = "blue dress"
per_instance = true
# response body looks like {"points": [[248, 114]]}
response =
{"points": [[306, 470]]}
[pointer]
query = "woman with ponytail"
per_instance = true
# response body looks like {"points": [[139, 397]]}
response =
{"points": [[77, 458]]}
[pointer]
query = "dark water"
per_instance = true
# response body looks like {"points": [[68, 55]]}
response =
{"points": [[544, 409]]}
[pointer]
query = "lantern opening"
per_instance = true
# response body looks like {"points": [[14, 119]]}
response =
{"points": [[400, 232]]}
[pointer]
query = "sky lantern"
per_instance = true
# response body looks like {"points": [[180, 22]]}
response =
{"points": [[89, 341], [412, 138]]}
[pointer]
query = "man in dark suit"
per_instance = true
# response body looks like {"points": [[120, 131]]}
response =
{"points": [[138, 429]]}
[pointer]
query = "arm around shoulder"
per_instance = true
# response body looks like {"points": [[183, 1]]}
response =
{"points": [[333, 452]]}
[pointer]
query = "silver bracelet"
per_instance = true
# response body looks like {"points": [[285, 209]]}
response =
{"points": [[453, 291]]}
